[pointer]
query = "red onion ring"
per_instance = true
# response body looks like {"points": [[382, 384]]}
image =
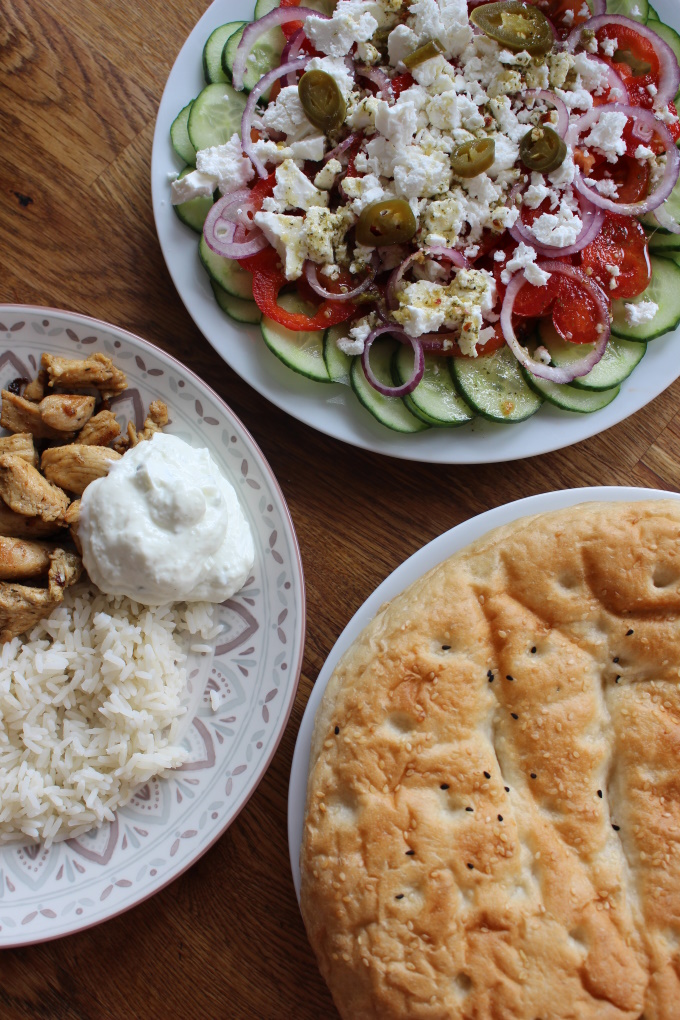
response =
{"points": [[312, 278], [291, 51], [592, 224], [339, 149], [599, 7], [454, 256], [562, 125], [669, 71], [220, 230], [664, 186], [555, 374], [666, 221], [255, 29], [263, 84], [418, 362], [378, 78]]}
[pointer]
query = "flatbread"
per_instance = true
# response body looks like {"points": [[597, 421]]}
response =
{"points": [[492, 828]]}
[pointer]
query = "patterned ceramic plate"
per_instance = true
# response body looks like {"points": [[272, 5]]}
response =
{"points": [[255, 666]]}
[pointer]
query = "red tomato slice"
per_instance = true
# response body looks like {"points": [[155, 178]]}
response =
{"points": [[622, 243], [269, 280], [574, 315], [639, 54], [631, 177], [291, 27], [555, 10], [401, 83]]}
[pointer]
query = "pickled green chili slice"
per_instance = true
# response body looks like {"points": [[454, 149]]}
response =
{"points": [[425, 52], [388, 222], [638, 67], [322, 100], [542, 149], [516, 25], [473, 157]]}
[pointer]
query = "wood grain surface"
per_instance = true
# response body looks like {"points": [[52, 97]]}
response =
{"points": [[80, 85]]}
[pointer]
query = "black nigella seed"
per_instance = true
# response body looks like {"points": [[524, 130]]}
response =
{"points": [[616, 828], [487, 775], [615, 659], [533, 775], [444, 786], [337, 730], [468, 809], [399, 896], [533, 650], [510, 678], [629, 632], [617, 678], [500, 818], [599, 793], [410, 853], [446, 648], [514, 715], [471, 867], [490, 676], [507, 789]]}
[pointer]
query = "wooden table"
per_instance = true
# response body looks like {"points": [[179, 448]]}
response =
{"points": [[81, 82]]}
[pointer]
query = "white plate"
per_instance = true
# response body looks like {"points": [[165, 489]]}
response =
{"points": [[334, 409], [255, 667], [409, 571]]}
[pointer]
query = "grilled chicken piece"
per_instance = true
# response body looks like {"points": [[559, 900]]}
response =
{"points": [[20, 415], [74, 467], [66, 412], [21, 606], [154, 422], [97, 370], [20, 559], [36, 389], [18, 526], [72, 517], [21, 444], [100, 430], [25, 491]]}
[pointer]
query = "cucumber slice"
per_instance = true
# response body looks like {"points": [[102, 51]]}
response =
{"points": [[434, 400], [212, 51], [193, 212], [638, 10], [215, 115], [652, 16], [494, 387], [337, 363], [664, 290], [264, 56], [236, 308], [226, 272], [390, 411], [668, 35], [179, 136], [263, 7], [618, 361], [663, 243], [303, 352], [568, 397]]}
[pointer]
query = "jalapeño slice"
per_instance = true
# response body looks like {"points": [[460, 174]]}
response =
{"points": [[542, 149], [473, 157], [516, 25], [322, 100], [388, 222]]}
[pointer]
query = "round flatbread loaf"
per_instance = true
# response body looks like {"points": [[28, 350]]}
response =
{"points": [[493, 810]]}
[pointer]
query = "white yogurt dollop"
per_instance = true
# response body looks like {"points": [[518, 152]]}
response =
{"points": [[165, 526]]}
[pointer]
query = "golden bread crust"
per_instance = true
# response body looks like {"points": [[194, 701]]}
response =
{"points": [[493, 809]]}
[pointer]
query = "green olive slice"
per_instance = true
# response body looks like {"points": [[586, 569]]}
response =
{"points": [[388, 222], [425, 52], [638, 67], [473, 157], [542, 149], [518, 26], [322, 100]]}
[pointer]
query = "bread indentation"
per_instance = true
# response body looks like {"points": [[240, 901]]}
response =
{"points": [[664, 576], [400, 723]]}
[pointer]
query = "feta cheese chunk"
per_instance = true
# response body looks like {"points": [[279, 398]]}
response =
{"points": [[337, 69], [397, 123], [353, 21], [425, 306], [558, 229], [295, 191], [641, 313], [192, 185], [607, 135], [325, 179], [287, 235], [227, 164], [401, 41], [287, 115], [524, 258]]}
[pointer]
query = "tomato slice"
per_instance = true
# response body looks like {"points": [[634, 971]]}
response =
{"points": [[621, 242], [556, 10], [401, 83], [291, 28], [269, 280], [629, 174], [640, 67], [574, 314]]}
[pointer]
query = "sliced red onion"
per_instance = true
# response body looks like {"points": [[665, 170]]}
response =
{"points": [[418, 362], [451, 254], [562, 125], [255, 29], [564, 374], [291, 51], [263, 84], [592, 224], [666, 183], [666, 221], [669, 72], [312, 277], [339, 149], [227, 238], [618, 93], [379, 78]]}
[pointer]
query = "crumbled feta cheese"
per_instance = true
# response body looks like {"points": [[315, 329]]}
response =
{"points": [[192, 185], [652, 89], [500, 255], [287, 235], [524, 258], [609, 46], [355, 342], [337, 69], [643, 152], [607, 135], [666, 116], [559, 229], [537, 192], [363, 191], [641, 313], [560, 64], [367, 53], [401, 41], [287, 115], [594, 74], [605, 187], [325, 179], [568, 18], [521, 59], [418, 174], [425, 306], [294, 190], [324, 232], [575, 99], [227, 163], [352, 21], [397, 123], [614, 272]]}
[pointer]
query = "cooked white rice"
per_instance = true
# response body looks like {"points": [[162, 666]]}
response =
{"points": [[90, 704]]}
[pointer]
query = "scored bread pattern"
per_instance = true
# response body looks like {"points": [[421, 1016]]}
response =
{"points": [[493, 813]]}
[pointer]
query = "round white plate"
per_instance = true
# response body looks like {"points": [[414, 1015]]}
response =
{"points": [[334, 409], [255, 667], [409, 571]]}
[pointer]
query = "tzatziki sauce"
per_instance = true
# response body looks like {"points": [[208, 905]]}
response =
{"points": [[164, 525]]}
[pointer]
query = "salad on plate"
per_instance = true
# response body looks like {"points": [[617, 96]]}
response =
{"points": [[459, 208]]}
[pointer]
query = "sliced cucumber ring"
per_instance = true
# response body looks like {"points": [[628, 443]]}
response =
{"points": [[435, 399], [226, 272], [618, 361], [337, 363], [390, 411], [663, 243], [652, 16], [301, 351], [212, 51], [494, 387], [179, 136], [215, 115], [568, 397], [193, 212], [236, 308], [637, 10], [664, 291], [264, 56]]}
